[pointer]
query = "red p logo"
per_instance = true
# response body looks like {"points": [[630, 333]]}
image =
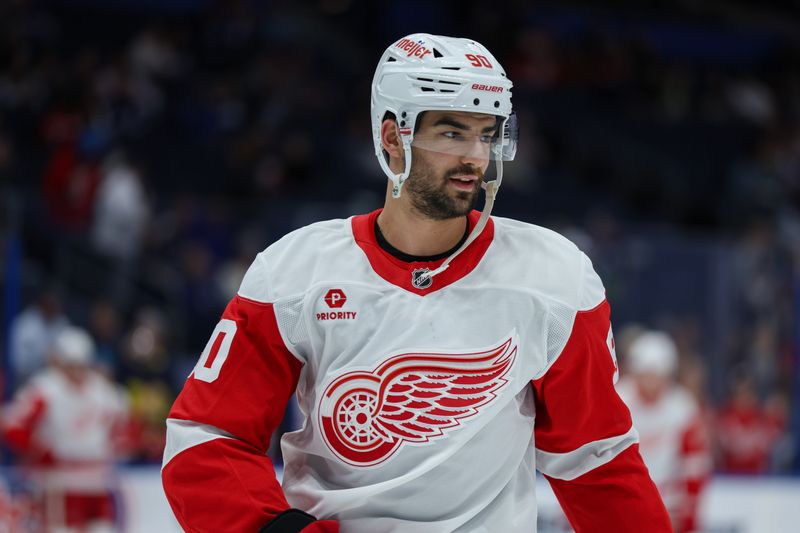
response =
{"points": [[335, 298]]}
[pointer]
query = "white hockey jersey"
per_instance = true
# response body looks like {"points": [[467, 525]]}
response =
{"points": [[674, 447], [67, 432], [420, 400]]}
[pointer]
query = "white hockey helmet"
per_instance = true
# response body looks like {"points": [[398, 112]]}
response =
{"points": [[423, 72], [73, 346], [653, 352]]}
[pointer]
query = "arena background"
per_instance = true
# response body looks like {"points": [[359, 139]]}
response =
{"points": [[149, 149]]}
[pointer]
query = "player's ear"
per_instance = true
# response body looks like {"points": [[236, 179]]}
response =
{"points": [[390, 138]]}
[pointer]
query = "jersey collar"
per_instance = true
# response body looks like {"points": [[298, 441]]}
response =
{"points": [[401, 273]]}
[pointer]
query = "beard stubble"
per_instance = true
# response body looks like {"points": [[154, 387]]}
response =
{"points": [[430, 196]]}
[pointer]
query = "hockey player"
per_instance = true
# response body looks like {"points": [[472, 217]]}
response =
{"points": [[439, 355], [673, 439], [64, 424]]}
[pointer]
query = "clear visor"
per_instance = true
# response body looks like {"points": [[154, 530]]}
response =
{"points": [[489, 144]]}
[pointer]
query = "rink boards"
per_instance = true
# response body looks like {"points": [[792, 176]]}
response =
{"points": [[731, 504]]}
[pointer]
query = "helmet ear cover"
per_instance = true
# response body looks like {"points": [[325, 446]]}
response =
{"points": [[389, 115]]}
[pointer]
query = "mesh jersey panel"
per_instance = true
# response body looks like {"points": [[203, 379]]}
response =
{"points": [[558, 329], [288, 313]]}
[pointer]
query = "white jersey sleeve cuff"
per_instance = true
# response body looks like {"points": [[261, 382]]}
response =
{"points": [[569, 465]]}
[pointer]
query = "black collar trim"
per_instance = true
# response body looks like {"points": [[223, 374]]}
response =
{"points": [[402, 256]]}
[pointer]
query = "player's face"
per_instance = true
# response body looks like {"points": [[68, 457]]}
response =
{"points": [[75, 373], [651, 386], [444, 183]]}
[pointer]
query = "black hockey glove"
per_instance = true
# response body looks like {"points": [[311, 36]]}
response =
{"points": [[295, 521]]}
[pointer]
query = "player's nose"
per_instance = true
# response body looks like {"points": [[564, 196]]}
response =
{"points": [[476, 152]]}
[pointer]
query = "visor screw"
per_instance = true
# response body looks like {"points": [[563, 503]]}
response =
{"points": [[496, 103], [476, 101], [402, 123], [403, 114]]}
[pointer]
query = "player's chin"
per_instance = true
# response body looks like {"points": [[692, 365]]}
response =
{"points": [[463, 204], [467, 198]]}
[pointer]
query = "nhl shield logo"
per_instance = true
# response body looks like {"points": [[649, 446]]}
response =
{"points": [[419, 280]]}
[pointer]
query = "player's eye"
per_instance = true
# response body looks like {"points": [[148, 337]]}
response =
{"points": [[453, 135], [487, 139]]}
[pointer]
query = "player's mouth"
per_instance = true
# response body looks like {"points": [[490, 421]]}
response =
{"points": [[464, 182]]}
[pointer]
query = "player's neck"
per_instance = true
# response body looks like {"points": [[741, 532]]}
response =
{"points": [[415, 234]]}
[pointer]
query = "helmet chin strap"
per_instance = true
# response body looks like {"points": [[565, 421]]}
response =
{"points": [[491, 188], [398, 179]]}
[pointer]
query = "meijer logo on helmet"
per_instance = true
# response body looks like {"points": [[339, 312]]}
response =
{"points": [[413, 49]]}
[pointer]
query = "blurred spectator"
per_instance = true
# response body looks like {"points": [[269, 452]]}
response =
{"points": [[776, 414], [72, 175], [230, 274], [693, 376], [144, 348], [199, 294], [121, 217], [672, 437], [747, 434], [150, 403], [7, 156], [33, 331], [751, 98], [66, 424], [535, 59], [120, 210], [152, 54], [104, 325], [126, 103]]}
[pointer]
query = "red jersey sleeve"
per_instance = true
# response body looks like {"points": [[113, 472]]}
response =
{"points": [[585, 442], [20, 419], [216, 474], [696, 468]]}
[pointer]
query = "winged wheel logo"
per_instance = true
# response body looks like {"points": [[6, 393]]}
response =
{"points": [[366, 417]]}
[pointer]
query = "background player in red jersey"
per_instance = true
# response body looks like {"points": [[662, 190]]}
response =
{"points": [[466, 350]]}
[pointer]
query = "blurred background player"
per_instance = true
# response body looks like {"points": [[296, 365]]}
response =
{"points": [[747, 431], [672, 436], [67, 424], [33, 331]]}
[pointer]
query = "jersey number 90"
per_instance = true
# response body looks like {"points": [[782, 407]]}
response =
{"points": [[216, 351]]}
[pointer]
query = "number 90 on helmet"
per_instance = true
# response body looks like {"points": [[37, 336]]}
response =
{"points": [[423, 72]]}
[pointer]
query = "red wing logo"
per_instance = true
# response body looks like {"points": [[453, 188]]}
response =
{"points": [[410, 398]]}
